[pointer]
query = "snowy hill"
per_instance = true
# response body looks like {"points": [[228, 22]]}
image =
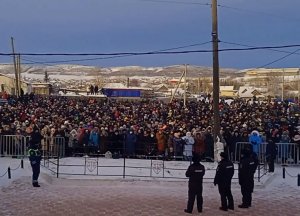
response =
{"points": [[80, 72]]}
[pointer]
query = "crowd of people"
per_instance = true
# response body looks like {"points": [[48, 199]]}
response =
{"points": [[149, 126]]}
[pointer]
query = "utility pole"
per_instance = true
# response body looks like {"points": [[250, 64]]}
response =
{"points": [[216, 87], [298, 86], [282, 90], [19, 74], [15, 67], [184, 99], [179, 82]]}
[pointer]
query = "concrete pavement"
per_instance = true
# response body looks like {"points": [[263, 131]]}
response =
{"points": [[136, 198]]}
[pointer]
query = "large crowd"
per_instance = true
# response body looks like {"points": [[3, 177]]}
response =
{"points": [[148, 126]]}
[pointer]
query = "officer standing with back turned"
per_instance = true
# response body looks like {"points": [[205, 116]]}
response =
{"points": [[247, 168], [223, 178], [195, 173]]}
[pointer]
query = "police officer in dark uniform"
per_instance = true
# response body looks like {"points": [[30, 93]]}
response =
{"points": [[195, 173], [223, 178], [247, 168], [35, 156]]}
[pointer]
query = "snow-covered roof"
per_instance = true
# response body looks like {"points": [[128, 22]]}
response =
{"points": [[114, 85], [226, 88]]}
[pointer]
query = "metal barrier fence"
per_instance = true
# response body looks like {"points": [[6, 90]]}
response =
{"points": [[130, 168], [53, 146], [17, 146], [13, 145], [122, 167], [288, 153]]}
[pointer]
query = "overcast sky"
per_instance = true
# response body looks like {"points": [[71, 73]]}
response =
{"points": [[113, 26]]}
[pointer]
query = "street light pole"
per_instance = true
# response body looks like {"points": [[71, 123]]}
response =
{"points": [[216, 87]]}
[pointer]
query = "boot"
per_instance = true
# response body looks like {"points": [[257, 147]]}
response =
{"points": [[35, 184]]}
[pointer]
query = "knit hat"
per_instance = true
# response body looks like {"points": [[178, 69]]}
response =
{"points": [[223, 155]]}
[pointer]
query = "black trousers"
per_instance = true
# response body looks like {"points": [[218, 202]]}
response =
{"points": [[193, 193], [35, 172], [247, 194], [226, 196], [271, 165]]}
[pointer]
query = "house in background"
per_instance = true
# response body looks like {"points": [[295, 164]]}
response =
{"points": [[228, 91], [249, 92], [40, 88], [8, 84]]}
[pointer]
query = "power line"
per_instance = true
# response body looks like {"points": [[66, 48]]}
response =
{"points": [[244, 45], [176, 2], [257, 12], [110, 57], [272, 62], [155, 52], [277, 60]]}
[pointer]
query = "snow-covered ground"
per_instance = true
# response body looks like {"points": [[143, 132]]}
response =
{"points": [[137, 169]]}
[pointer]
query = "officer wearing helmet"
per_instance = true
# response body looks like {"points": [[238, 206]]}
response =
{"points": [[195, 173]]}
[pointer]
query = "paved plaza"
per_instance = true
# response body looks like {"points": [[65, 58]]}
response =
{"points": [[138, 198]]}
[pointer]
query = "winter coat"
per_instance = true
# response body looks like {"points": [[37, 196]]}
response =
{"points": [[271, 151], [161, 141], [94, 139], [130, 143], [199, 146], [195, 173], [178, 145], [234, 139], [224, 173], [209, 144], [256, 141], [247, 168], [188, 146]]}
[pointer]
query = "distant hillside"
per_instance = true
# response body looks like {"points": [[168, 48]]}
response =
{"points": [[89, 72]]}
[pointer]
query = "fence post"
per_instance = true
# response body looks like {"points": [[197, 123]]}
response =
{"points": [[22, 164], [258, 173], [151, 169], [57, 168], [8, 173], [283, 172], [124, 167]]}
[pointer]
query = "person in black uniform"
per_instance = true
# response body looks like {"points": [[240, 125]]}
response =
{"points": [[35, 156], [195, 173], [223, 178], [271, 153], [247, 168]]}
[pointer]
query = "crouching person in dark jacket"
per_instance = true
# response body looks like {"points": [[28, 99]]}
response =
{"points": [[195, 173], [223, 178]]}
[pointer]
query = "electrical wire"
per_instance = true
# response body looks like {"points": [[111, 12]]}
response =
{"points": [[257, 12], [156, 52], [110, 57], [244, 45], [177, 2]]}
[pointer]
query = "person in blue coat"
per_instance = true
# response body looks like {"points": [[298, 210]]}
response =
{"points": [[94, 140], [256, 141], [130, 143]]}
